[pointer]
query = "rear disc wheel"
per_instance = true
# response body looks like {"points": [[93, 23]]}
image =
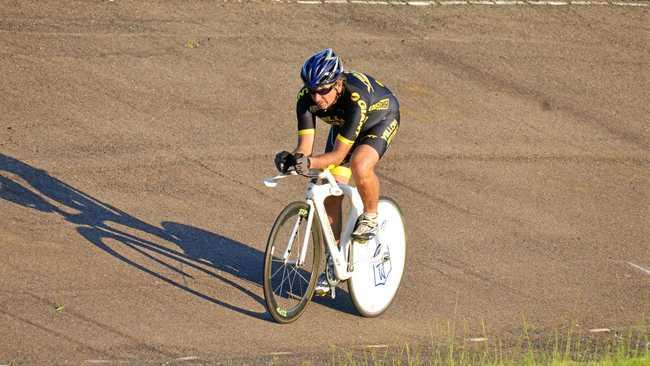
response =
{"points": [[379, 263]]}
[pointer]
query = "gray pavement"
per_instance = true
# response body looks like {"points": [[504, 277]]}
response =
{"points": [[134, 139]]}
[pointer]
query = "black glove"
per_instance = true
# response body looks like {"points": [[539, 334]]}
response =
{"points": [[301, 163], [283, 161]]}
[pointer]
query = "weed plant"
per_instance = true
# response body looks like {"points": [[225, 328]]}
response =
{"points": [[568, 347]]}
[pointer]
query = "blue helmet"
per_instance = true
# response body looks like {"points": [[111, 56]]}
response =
{"points": [[323, 67]]}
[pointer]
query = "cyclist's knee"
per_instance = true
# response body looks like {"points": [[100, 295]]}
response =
{"points": [[364, 161], [362, 168]]}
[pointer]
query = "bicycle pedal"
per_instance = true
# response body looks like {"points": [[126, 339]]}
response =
{"points": [[321, 292]]}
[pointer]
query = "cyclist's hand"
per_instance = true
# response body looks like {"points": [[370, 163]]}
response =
{"points": [[301, 163], [283, 161]]}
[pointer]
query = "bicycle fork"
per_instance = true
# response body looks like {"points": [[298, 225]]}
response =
{"points": [[302, 215]]}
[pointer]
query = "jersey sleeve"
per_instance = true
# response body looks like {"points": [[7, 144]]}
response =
{"points": [[306, 119], [354, 120]]}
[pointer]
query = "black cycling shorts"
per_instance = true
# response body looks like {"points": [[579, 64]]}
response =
{"points": [[379, 136]]}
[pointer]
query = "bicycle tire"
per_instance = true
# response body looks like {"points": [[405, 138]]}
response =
{"points": [[375, 280], [279, 286]]}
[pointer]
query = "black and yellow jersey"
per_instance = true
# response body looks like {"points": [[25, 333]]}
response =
{"points": [[363, 104]]}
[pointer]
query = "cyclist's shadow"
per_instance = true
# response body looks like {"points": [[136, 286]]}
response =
{"points": [[113, 231]]}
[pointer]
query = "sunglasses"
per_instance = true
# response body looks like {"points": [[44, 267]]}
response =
{"points": [[322, 91]]}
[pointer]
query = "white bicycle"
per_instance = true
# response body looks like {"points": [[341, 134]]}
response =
{"points": [[292, 261]]}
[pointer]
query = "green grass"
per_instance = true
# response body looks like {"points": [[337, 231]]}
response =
{"points": [[568, 347]]}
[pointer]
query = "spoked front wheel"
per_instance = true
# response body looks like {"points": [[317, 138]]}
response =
{"points": [[379, 263], [288, 281]]}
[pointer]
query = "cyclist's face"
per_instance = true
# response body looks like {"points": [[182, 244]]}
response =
{"points": [[325, 96]]}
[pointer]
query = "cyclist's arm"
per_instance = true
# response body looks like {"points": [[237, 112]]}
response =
{"points": [[306, 125], [305, 144], [335, 156]]}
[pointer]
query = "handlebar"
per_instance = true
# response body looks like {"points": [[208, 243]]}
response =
{"points": [[325, 174], [273, 181]]}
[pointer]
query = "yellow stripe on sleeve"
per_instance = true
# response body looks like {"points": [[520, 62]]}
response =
{"points": [[344, 140], [308, 131]]}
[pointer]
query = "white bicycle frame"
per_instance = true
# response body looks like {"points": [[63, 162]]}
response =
{"points": [[315, 198]]}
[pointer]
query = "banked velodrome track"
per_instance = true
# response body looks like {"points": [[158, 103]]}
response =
{"points": [[134, 139]]}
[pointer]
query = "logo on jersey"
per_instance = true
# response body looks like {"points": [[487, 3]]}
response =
{"points": [[364, 109], [390, 132], [380, 106], [364, 79], [302, 93]]}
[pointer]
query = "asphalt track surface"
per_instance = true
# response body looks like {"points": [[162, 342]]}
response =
{"points": [[134, 139]]}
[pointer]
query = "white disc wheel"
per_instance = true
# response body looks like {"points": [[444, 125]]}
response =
{"points": [[379, 263]]}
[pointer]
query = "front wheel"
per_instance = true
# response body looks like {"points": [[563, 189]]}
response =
{"points": [[288, 284], [379, 263]]}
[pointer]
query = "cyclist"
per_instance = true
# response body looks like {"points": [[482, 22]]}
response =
{"points": [[364, 118]]}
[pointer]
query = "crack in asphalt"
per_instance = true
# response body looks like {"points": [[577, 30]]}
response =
{"points": [[231, 179]]}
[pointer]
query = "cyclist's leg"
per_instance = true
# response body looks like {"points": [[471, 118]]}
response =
{"points": [[363, 163], [333, 204], [372, 146]]}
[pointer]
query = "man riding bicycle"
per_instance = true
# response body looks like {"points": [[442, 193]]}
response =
{"points": [[364, 116]]}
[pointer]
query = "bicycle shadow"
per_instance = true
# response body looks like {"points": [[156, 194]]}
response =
{"points": [[337, 304], [96, 221], [105, 226]]}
